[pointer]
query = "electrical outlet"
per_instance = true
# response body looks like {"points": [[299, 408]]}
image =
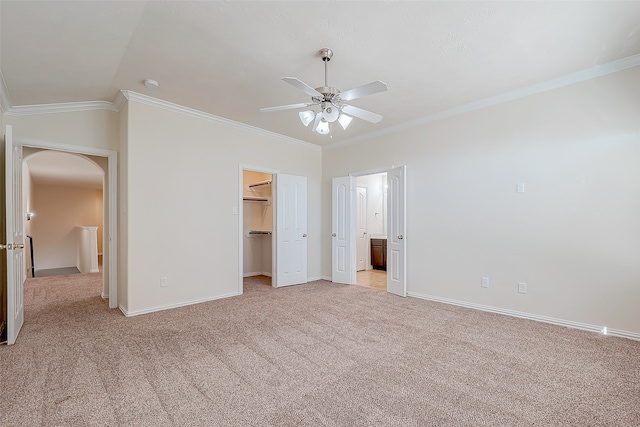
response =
{"points": [[163, 282], [522, 287], [520, 187], [484, 282]]}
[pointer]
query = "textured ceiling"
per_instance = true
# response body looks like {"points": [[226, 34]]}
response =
{"points": [[227, 58]]}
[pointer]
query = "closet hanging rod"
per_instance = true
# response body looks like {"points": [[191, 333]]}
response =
{"points": [[257, 184], [259, 232]]}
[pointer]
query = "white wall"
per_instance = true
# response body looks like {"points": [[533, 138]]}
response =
{"points": [[573, 236], [59, 211], [27, 206], [182, 183]]}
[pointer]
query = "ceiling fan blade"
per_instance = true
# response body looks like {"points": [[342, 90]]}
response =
{"points": [[364, 90], [302, 86], [361, 114], [285, 107]]}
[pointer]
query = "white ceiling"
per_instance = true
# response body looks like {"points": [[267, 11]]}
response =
{"points": [[227, 58], [64, 170]]}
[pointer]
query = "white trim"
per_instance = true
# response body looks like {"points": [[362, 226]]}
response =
{"points": [[528, 316], [119, 100], [105, 296], [566, 80], [64, 107], [112, 167], [176, 305], [313, 279], [5, 99], [155, 102]]}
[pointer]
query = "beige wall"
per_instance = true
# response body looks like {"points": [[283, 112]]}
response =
{"points": [[182, 183], [96, 129], [573, 236], [58, 213]]}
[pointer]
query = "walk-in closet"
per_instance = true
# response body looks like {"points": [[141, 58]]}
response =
{"points": [[257, 223]]}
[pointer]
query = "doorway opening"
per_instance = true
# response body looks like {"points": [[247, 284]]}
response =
{"points": [[257, 226], [371, 231], [273, 227], [344, 260], [63, 201]]}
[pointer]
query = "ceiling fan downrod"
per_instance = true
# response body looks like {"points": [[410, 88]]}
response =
{"points": [[328, 92]]}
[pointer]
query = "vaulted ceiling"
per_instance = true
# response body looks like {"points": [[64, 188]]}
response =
{"points": [[227, 58]]}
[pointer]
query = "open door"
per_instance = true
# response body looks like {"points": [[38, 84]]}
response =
{"points": [[291, 230], [14, 246], [396, 232], [343, 253]]}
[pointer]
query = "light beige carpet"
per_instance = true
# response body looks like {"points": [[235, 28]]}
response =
{"points": [[311, 355]]}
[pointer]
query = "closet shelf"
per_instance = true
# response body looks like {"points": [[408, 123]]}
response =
{"points": [[255, 199], [258, 184], [260, 232]]}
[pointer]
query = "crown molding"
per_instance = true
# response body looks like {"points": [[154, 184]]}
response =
{"points": [[559, 82], [65, 107], [5, 99], [119, 100], [155, 102]]}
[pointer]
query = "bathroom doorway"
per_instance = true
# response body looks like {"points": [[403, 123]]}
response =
{"points": [[371, 235]]}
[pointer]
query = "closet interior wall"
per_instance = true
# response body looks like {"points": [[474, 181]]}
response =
{"points": [[257, 223]]}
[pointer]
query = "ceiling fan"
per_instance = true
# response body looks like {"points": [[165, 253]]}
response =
{"points": [[333, 103]]}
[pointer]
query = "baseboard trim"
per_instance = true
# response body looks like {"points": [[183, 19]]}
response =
{"points": [[529, 316], [105, 296], [170, 306], [263, 273]]}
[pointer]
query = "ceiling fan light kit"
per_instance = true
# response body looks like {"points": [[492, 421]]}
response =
{"points": [[332, 102]]}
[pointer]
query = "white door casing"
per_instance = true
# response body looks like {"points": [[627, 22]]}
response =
{"points": [[343, 219], [291, 230], [396, 232], [361, 229], [16, 273]]}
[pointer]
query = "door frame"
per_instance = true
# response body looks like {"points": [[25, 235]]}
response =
{"points": [[240, 212], [112, 197], [374, 171], [366, 220]]}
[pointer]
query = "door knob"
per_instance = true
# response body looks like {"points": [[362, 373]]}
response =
{"points": [[333, 234], [2, 246], [304, 235], [18, 246], [400, 237]]}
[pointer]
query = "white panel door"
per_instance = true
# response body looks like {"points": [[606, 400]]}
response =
{"points": [[343, 254], [14, 247], [291, 230], [361, 229], [396, 232]]}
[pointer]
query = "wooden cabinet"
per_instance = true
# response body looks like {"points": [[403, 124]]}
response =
{"points": [[379, 254]]}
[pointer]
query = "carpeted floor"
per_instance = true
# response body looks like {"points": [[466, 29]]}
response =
{"points": [[311, 355]]}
